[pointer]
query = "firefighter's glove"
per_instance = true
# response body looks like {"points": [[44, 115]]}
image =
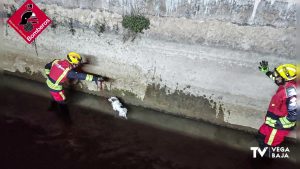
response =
{"points": [[99, 79], [47, 72], [264, 67], [284, 123]]}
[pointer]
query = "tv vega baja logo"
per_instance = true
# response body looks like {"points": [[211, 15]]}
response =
{"points": [[271, 152]]}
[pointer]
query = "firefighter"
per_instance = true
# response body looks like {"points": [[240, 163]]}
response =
{"points": [[58, 72], [282, 112]]}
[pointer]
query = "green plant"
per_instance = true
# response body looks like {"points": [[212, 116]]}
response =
{"points": [[135, 23]]}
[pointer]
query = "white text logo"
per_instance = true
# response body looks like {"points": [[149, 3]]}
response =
{"points": [[271, 152]]}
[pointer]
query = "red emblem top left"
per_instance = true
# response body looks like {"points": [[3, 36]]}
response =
{"points": [[29, 21]]}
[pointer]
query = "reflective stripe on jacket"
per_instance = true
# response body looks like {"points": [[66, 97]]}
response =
{"points": [[58, 74], [280, 105]]}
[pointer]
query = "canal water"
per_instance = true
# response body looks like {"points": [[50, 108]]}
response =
{"points": [[33, 137]]}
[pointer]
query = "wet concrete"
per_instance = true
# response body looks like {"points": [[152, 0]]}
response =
{"points": [[32, 137]]}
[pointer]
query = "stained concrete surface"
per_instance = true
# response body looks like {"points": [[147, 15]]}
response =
{"points": [[195, 52], [169, 67], [32, 137]]}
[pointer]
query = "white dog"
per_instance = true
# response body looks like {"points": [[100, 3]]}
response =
{"points": [[117, 106]]}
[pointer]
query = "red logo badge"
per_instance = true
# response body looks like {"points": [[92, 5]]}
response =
{"points": [[29, 21]]}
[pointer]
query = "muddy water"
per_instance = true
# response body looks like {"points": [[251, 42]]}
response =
{"points": [[32, 137]]}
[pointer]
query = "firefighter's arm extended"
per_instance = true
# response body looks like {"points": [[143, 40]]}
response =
{"points": [[289, 120], [84, 76], [264, 68]]}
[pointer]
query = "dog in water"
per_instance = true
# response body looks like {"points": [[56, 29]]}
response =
{"points": [[117, 106]]}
